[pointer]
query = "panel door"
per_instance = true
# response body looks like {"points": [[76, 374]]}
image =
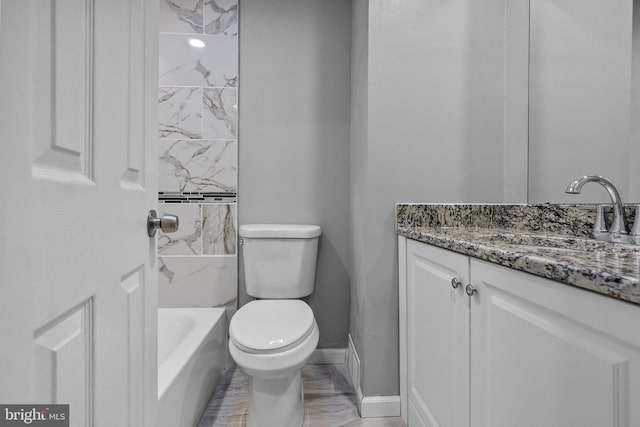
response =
{"points": [[77, 178], [437, 337], [547, 354]]}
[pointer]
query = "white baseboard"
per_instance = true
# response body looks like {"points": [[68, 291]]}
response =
{"points": [[380, 406], [369, 406], [328, 356]]}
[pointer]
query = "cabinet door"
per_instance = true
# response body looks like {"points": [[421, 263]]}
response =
{"points": [[437, 337], [547, 354]]}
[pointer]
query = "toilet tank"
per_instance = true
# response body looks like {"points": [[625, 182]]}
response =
{"points": [[279, 259]]}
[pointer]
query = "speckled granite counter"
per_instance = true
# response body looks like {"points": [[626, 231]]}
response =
{"points": [[551, 241]]}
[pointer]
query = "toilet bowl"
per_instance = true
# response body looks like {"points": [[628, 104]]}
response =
{"points": [[272, 338], [271, 341]]}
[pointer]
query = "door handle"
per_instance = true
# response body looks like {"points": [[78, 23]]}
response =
{"points": [[167, 223]]}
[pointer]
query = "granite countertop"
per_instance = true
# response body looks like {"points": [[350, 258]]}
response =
{"points": [[550, 241]]}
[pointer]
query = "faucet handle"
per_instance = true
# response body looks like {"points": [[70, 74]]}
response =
{"points": [[635, 230], [599, 229]]}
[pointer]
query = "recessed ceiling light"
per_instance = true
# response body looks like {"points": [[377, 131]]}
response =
{"points": [[196, 43]]}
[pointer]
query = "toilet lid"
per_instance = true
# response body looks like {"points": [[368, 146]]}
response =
{"points": [[271, 326]]}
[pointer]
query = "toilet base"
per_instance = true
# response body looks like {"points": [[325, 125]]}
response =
{"points": [[276, 401]]}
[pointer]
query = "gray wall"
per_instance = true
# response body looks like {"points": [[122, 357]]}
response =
{"points": [[428, 129], [358, 168], [294, 135]]}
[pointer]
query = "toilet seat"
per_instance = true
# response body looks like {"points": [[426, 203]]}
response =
{"points": [[271, 326]]}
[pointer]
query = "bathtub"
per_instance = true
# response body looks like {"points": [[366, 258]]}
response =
{"points": [[192, 353]]}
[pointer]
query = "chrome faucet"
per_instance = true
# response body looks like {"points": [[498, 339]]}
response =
{"points": [[618, 230]]}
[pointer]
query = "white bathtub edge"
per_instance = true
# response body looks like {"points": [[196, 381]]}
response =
{"points": [[206, 318], [187, 378]]}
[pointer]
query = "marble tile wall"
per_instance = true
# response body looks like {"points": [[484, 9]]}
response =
{"points": [[197, 150], [197, 282], [205, 229]]}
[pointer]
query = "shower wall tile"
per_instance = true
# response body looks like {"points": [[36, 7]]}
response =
{"points": [[219, 229], [197, 281], [198, 165], [220, 113], [198, 151], [188, 239], [221, 17], [181, 16], [180, 112], [215, 65]]}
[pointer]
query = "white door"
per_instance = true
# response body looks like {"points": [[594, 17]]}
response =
{"points": [[77, 177], [437, 337]]}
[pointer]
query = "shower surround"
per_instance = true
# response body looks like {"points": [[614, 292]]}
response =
{"points": [[197, 151]]}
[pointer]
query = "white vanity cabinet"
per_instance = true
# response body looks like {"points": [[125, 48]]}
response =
{"points": [[522, 351], [437, 331]]}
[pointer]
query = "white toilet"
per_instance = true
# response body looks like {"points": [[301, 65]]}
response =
{"points": [[272, 338]]}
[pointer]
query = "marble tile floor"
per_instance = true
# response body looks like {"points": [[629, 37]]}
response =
{"points": [[329, 401]]}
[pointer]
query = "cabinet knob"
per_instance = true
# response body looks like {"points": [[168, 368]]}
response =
{"points": [[455, 283], [470, 290]]}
